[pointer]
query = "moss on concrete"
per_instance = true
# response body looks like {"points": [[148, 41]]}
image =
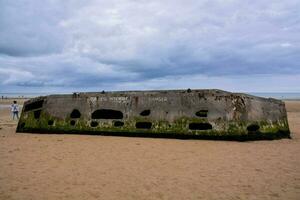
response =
{"points": [[222, 129]]}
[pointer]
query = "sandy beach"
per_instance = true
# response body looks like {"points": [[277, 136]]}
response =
{"points": [[42, 166]]}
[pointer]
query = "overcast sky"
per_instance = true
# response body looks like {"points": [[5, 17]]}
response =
{"points": [[75, 45]]}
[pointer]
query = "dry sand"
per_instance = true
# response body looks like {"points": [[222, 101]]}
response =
{"points": [[34, 166]]}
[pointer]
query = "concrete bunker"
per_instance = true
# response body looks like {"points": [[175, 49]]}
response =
{"points": [[193, 113]]}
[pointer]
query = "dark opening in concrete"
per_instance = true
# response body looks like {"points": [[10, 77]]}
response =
{"points": [[200, 126], [75, 114], [107, 114], [145, 113], [94, 124], [22, 125], [50, 122], [118, 123], [72, 122], [37, 114], [143, 125], [253, 128], [201, 113], [34, 105]]}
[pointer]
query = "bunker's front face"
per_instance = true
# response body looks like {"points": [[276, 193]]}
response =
{"points": [[174, 113]]}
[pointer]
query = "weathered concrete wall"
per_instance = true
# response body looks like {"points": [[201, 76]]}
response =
{"points": [[174, 113]]}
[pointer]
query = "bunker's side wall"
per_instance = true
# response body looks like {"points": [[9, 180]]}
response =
{"points": [[197, 113]]}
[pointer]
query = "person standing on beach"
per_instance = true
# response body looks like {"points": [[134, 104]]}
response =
{"points": [[15, 110]]}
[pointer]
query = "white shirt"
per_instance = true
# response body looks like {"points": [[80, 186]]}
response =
{"points": [[14, 108]]}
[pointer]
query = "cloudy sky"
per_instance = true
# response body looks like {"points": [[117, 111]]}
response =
{"points": [[95, 45]]}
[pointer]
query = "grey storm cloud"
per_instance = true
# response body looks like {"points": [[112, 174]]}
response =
{"points": [[145, 44]]}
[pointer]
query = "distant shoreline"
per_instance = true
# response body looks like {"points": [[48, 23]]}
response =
{"points": [[286, 96]]}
